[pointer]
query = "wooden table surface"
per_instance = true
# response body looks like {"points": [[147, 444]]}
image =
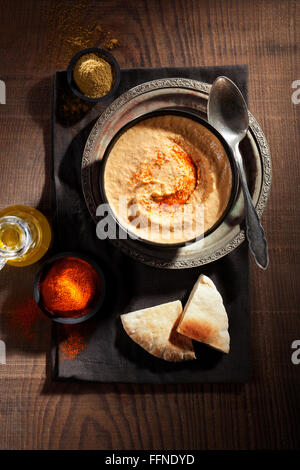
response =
{"points": [[36, 40]]}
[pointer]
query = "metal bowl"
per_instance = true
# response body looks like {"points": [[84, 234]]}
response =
{"points": [[194, 117], [96, 305], [183, 94]]}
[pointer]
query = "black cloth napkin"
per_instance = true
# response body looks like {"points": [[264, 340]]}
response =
{"points": [[99, 349]]}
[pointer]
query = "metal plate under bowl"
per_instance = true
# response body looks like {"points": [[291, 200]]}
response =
{"points": [[189, 95]]}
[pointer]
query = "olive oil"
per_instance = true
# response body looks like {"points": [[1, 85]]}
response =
{"points": [[25, 235]]}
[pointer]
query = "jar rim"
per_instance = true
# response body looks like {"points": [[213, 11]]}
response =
{"points": [[26, 238]]}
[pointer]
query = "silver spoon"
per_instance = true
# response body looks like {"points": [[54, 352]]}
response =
{"points": [[228, 113]]}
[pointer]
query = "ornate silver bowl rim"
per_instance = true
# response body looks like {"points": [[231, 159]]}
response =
{"points": [[202, 88]]}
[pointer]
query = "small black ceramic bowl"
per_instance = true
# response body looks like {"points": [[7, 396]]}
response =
{"points": [[95, 305], [106, 56]]}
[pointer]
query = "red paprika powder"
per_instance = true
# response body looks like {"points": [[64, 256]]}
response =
{"points": [[69, 287], [73, 342]]}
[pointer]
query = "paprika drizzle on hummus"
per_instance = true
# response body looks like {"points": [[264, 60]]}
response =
{"points": [[167, 179]]}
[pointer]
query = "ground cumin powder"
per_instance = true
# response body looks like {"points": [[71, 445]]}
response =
{"points": [[93, 75]]}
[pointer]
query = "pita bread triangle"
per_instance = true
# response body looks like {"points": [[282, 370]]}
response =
{"points": [[204, 318], [154, 329]]}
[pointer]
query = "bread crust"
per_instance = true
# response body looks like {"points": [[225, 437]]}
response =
{"points": [[155, 330], [204, 318]]}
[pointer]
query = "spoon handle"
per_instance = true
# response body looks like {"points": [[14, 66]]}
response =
{"points": [[2, 262], [254, 231]]}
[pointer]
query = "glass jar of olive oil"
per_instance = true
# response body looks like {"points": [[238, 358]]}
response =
{"points": [[25, 236]]}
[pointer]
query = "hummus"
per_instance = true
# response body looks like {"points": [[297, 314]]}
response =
{"points": [[167, 179]]}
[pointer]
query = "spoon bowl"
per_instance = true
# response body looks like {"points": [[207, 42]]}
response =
{"points": [[227, 110]]}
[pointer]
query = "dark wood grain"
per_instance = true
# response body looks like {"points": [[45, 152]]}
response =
{"points": [[38, 414]]}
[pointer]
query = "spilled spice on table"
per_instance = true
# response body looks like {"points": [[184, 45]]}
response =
{"points": [[110, 44], [26, 323], [69, 108], [25, 319], [70, 34], [73, 341]]}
